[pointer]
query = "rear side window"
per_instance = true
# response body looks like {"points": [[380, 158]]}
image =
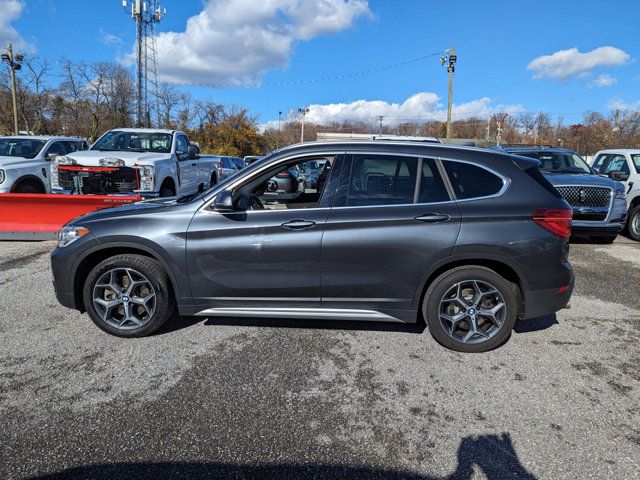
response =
{"points": [[382, 180], [394, 180], [472, 181]]}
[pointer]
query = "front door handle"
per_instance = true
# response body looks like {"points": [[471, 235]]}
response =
{"points": [[433, 218], [298, 224]]}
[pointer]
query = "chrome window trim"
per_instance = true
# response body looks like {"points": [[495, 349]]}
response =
{"points": [[258, 172]]}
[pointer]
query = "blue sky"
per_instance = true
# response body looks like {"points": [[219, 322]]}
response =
{"points": [[240, 41]]}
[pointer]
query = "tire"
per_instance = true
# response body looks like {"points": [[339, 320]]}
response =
{"points": [[166, 191], [156, 292], [604, 239], [633, 223], [27, 187], [439, 296]]}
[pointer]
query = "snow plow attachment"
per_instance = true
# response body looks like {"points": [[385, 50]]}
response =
{"points": [[39, 217]]}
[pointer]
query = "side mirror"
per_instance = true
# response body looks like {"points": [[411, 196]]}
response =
{"points": [[51, 157], [193, 152], [619, 176], [223, 202]]}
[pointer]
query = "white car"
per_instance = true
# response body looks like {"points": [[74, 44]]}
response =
{"points": [[135, 161], [25, 161], [624, 165]]}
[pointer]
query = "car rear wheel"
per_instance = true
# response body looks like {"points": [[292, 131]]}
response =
{"points": [[128, 295], [634, 223], [471, 309]]}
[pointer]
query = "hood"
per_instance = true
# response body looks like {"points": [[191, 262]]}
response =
{"points": [[91, 158], [557, 179], [146, 207], [14, 161]]}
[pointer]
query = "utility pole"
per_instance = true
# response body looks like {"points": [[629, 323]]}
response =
{"points": [[279, 121], [452, 58], [303, 111], [488, 130], [499, 132], [14, 64], [380, 117]]}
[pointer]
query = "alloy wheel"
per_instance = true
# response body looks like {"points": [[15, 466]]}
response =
{"points": [[124, 298], [472, 311]]}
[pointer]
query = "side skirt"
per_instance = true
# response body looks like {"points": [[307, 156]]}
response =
{"points": [[301, 313]]}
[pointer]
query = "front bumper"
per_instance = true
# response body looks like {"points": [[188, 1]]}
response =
{"points": [[144, 195], [63, 267]]}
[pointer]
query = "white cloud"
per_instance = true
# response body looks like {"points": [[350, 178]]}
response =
{"points": [[621, 105], [565, 64], [420, 107], [603, 80], [11, 10], [109, 38], [236, 41]]}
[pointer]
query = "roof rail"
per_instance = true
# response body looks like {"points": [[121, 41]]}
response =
{"points": [[539, 145]]}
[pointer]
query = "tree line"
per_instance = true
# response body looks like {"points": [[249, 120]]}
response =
{"points": [[85, 99]]}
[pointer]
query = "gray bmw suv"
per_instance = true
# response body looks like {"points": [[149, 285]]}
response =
{"points": [[467, 240]]}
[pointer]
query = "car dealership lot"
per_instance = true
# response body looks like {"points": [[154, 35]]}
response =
{"points": [[254, 398]]}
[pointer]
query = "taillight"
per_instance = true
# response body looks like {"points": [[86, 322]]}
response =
{"points": [[557, 221]]}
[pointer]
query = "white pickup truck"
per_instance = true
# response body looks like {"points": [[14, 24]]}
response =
{"points": [[25, 161], [132, 161]]}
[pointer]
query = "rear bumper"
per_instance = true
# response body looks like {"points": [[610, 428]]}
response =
{"points": [[546, 302]]}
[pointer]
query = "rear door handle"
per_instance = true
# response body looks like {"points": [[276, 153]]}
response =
{"points": [[433, 218], [298, 224]]}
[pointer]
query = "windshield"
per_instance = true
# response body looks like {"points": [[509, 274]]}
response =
{"points": [[20, 147], [635, 158], [119, 141], [559, 162]]}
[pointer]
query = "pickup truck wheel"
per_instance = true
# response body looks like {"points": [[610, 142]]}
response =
{"points": [[166, 191], [27, 187], [128, 295], [634, 223], [471, 309]]}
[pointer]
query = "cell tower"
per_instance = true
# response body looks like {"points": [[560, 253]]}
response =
{"points": [[146, 14]]}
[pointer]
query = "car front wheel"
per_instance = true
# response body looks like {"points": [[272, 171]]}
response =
{"points": [[128, 295], [471, 309]]}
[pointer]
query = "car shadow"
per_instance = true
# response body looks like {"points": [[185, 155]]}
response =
{"points": [[177, 322], [536, 324], [493, 455]]}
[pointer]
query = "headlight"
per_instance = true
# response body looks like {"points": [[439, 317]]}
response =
{"points": [[2, 176], [70, 234], [146, 174], [62, 160], [55, 176], [620, 195], [111, 162]]}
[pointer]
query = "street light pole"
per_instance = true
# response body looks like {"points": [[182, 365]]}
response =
{"points": [[450, 69], [14, 64], [278, 138], [303, 111]]}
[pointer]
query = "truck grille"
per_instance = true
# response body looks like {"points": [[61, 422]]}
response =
{"points": [[581, 196], [98, 181]]}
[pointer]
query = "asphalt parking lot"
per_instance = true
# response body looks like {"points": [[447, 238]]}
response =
{"points": [[251, 399]]}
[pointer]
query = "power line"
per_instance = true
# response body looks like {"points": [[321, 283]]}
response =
{"points": [[308, 81]]}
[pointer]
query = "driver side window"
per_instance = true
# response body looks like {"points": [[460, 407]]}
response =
{"points": [[295, 185]]}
